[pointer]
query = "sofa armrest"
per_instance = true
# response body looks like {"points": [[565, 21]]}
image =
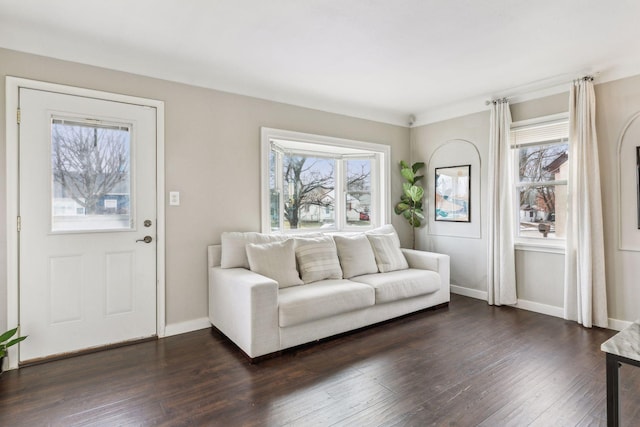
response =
{"points": [[243, 305], [430, 261]]}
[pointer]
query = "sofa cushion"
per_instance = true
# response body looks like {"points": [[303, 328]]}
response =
{"points": [[234, 244], [356, 255], [401, 284], [317, 258], [386, 249], [276, 261], [318, 300]]}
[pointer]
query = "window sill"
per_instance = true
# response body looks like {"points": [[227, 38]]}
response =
{"points": [[547, 247]]}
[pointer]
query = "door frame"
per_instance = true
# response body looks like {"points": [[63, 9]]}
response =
{"points": [[13, 85]]}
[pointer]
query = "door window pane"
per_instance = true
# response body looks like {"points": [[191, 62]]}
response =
{"points": [[91, 180], [358, 194]]}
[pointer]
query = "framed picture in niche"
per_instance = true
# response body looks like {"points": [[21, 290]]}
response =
{"points": [[453, 193]]}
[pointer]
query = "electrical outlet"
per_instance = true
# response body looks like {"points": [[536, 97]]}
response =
{"points": [[174, 198]]}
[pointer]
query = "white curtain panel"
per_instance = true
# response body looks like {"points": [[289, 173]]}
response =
{"points": [[585, 298], [501, 270]]}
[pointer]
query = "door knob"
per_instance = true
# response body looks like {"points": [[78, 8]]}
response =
{"points": [[147, 239]]}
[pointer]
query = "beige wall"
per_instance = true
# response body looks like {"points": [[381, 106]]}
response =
{"points": [[617, 102], [468, 255], [212, 149], [540, 276], [212, 158]]}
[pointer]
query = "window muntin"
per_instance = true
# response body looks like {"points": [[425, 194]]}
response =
{"points": [[90, 176], [541, 173], [322, 183]]}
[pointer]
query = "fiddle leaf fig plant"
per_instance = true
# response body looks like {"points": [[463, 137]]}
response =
{"points": [[6, 341], [410, 204]]}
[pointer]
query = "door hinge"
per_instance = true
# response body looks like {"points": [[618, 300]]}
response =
{"points": [[18, 116], [19, 224]]}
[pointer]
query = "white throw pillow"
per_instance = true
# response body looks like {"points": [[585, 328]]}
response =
{"points": [[317, 258], [356, 255], [234, 253], [385, 229], [386, 248], [276, 261]]}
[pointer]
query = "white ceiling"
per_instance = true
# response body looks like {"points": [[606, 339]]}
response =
{"points": [[378, 59]]}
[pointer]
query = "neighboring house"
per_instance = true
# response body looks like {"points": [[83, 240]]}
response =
{"points": [[322, 209], [116, 201]]}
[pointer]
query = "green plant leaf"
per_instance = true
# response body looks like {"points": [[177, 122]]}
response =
{"points": [[416, 193], [401, 207], [15, 341], [4, 337], [417, 166], [410, 205], [407, 174], [406, 187]]}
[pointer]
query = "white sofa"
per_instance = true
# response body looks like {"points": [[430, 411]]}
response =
{"points": [[262, 317]]}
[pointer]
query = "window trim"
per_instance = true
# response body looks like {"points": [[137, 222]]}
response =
{"points": [[535, 244], [380, 171]]}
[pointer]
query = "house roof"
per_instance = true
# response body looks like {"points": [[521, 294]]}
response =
{"points": [[380, 60], [557, 162]]}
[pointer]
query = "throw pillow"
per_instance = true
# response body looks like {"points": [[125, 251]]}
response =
{"points": [[386, 248], [317, 258], [356, 255], [234, 254], [276, 261], [385, 229]]}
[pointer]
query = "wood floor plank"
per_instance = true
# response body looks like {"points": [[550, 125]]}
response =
{"points": [[466, 365]]}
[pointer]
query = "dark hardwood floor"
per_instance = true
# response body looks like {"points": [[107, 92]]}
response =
{"points": [[466, 365]]}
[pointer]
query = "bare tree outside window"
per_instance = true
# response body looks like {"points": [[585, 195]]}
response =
{"points": [[308, 182], [309, 190], [90, 176], [318, 182], [89, 162], [540, 168]]}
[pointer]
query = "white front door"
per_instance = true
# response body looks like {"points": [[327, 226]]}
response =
{"points": [[87, 202]]}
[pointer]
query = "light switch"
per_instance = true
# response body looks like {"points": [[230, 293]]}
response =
{"points": [[174, 198]]}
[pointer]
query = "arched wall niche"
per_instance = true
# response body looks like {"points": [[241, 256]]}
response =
{"points": [[456, 152], [628, 192]]}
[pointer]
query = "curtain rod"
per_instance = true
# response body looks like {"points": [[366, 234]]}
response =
{"points": [[502, 99]]}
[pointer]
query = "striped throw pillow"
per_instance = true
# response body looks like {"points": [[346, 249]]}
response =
{"points": [[386, 249], [317, 259]]}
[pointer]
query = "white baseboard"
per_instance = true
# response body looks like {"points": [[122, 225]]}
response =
{"points": [[468, 292], [549, 310], [187, 326], [618, 325]]}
